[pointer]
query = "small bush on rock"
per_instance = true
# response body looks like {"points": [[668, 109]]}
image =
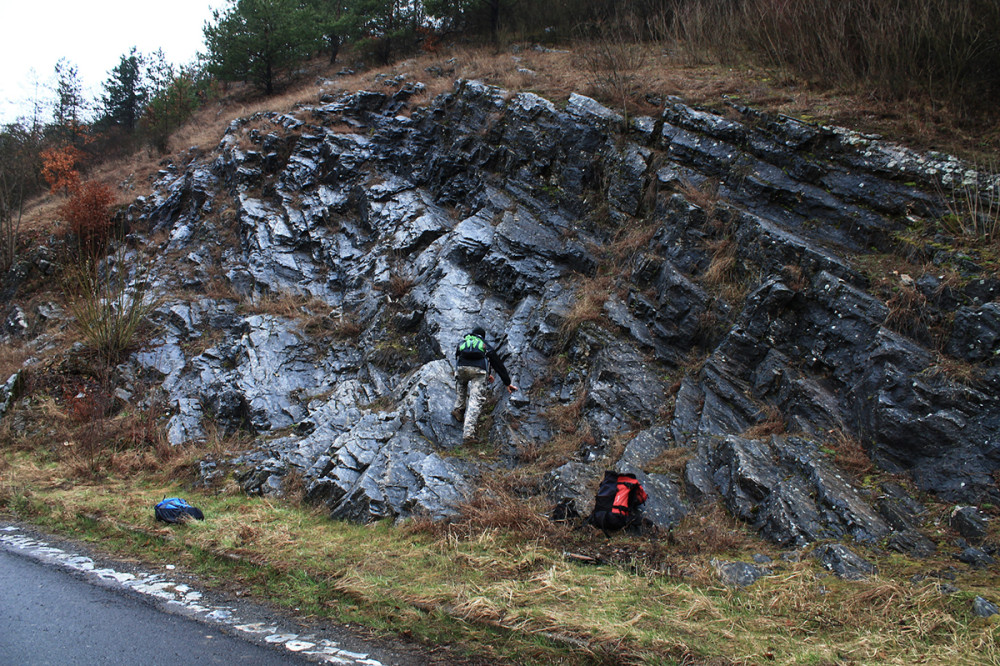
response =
{"points": [[88, 214]]}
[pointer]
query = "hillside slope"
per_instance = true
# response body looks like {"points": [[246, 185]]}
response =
{"points": [[686, 287]]}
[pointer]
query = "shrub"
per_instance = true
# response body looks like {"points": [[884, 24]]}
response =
{"points": [[88, 214], [946, 49], [59, 168], [110, 303], [974, 205]]}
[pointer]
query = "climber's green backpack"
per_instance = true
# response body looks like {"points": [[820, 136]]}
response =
{"points": [[472, 348]]}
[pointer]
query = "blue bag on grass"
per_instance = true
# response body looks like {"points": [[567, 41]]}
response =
{"points": [[177, 510]]}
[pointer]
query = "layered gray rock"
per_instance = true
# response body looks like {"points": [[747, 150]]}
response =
{"points": [[580, 240]]}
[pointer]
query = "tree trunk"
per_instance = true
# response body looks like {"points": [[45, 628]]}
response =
{"points": [[334, 47], [494, 6]]}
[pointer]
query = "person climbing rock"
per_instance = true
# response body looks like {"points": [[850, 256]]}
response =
{"points": [[475, 358]]}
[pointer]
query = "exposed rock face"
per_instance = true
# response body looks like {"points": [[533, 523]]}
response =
{"points": [[670, 285]]}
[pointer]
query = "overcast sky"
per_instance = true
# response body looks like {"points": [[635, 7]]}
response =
{"points": [[91, 34]]}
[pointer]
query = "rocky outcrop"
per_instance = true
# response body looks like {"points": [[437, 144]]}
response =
{"points": [[669, 290]]}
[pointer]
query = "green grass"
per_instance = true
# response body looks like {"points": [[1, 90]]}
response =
{"points": [[508, 594]]}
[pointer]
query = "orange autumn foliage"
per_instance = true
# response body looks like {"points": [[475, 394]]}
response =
{"points": [[88, 213], [59, 168]]}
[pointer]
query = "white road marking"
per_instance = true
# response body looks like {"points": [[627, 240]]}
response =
{"points": [[159, 587]]}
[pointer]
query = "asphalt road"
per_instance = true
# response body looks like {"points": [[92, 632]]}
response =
{"points": [[62, 602], [50, 616]]}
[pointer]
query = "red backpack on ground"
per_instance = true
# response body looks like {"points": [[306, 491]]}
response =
{"points": [[618, 499]]}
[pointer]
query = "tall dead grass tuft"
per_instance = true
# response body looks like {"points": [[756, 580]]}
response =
{"points": [[110, 301], [850, 454], [588, 306], [710, 530], [974, 205], [908, 311], [956, 370], [630, 240], [399, 285], [498, 504], [312, 315], [704, 195], [724, 275], [672, 461], [772, 423]]}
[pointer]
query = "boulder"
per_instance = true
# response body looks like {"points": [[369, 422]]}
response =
{"points": [[969, 522], [843, 562], [738, 574], [984, 608]]}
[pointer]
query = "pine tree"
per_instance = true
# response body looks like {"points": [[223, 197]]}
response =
{"points": [[253, 39], [69, 106], [125, 92]]}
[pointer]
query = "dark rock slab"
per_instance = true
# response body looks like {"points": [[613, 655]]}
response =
{"points": [[843, 562], [975, 557], [480, 207], [738, 574], [969, 522], [984, 608], [785, 489]]}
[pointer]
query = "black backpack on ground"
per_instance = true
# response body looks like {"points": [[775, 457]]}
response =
{"points": [[617, 502]]}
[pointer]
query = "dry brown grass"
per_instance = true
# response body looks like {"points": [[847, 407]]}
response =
{"points": [[615, 61], [345, 328], [131, 176], [588, 306], [91, 436], [285, 305], [399, 286], [41, 216], [672, 461], [570, 432], [704, 195], [497, 505], [725, 276], [772, 423], [907, 308], [850, 454], [795, 277], [956, 370], [913, 310], [711, 530], [630, 240], [12, 358]]}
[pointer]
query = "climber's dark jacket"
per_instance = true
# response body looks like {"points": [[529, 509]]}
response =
{"points": [[489, 359]]}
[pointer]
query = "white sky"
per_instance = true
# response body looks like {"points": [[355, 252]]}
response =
{"points": [[93, 35]]}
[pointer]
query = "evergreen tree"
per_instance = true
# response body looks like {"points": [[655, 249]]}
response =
{"points": [[125, 93], [336, 21], [67, 116], [253, 39], [470, 16], [390, 24], [176, 96]]}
